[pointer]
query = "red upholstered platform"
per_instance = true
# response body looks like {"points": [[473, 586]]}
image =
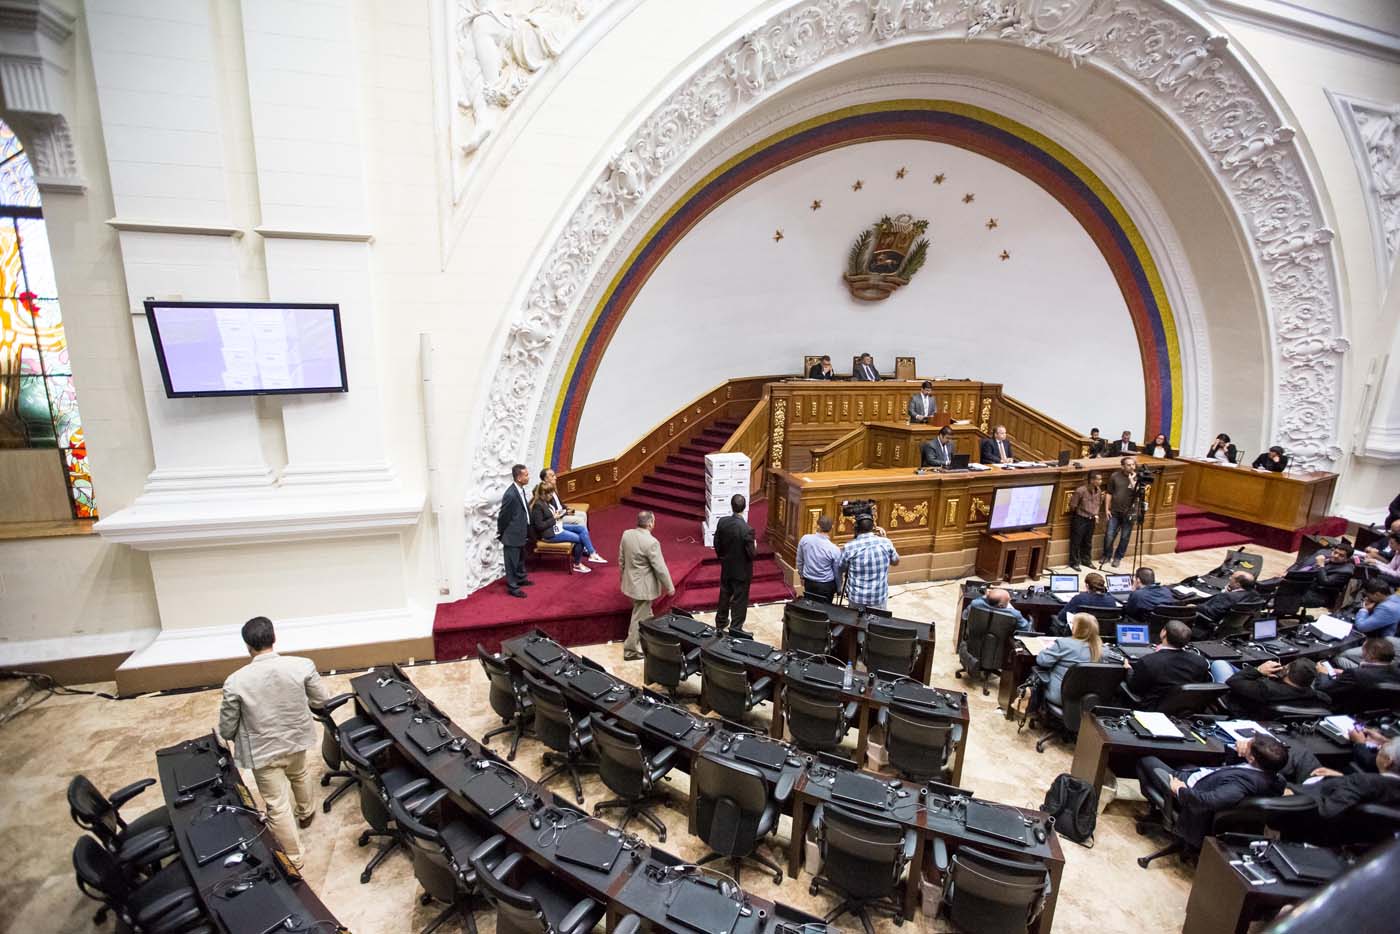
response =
{"points": [[1196, 529], [584, 609]]}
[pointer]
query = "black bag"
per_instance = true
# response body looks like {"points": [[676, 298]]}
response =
{"points": [[1074, 805]]}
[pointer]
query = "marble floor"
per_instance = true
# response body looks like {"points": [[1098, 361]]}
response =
{"points": [[113, 743]]}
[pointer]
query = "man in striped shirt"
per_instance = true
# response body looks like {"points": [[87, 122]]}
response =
{"points": [[819, 562], [866, 563]]}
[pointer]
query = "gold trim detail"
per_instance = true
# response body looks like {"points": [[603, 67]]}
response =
{"points": [[1170, 498], [978, 510], [812, 516], [775, 453], [572, 484], [918, 515], [986, 418], [950, 516]]}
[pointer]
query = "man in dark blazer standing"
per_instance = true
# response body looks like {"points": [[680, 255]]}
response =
{"points": [[734, 546], [1200, 793], [997, 448], [512, 528], [1155, 675]]}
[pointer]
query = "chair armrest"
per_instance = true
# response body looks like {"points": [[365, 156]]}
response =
{"points": [[911, 840], [818, 817], [488, 848], [505, 867], [762, 689], [123, 795], [940, 854], [883, 717], [693, 655], [956, 733], [423, 805], [335, 703], [165, 904], [361, 731], [628, 925], [146, 847], [1123, 686], [412, 788], [374, 748], [179, 922], [848, 713], [785, 783], [838, 630], [661, 763], [580, 915]]}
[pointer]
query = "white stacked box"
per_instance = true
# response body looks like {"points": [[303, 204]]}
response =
{"points": [[725, 475]]}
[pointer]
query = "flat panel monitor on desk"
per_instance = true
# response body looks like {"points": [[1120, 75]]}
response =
{"points": [[1064, 583], [1265, 629], [247, 348], [1021, 507], [1133, 634], [1120, 584]]}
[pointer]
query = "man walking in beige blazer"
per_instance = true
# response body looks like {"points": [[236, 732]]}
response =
{"points": [[644, 578], [266, 714]]}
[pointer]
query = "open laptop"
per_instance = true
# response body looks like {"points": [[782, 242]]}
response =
{"points": [[1133, 640], [1266, 637], [960, 462], [1064, 586], [1119, 586]]}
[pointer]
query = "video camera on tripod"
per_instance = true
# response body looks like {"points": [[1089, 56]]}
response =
{"points": [[855, 508]]}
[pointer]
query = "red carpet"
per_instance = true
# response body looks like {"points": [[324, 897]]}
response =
{"points": [[584, 609], [1196, 529]]}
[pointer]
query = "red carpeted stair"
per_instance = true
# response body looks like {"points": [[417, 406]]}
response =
{"points": [[677, 486], [1196, 529]]}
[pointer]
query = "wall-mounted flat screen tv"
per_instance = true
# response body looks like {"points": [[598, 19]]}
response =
{"points": [[1021, 507], [247, 348]]}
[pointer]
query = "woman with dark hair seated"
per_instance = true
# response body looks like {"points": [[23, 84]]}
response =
{"points": [[1095, 593], [1159, 447], [547, 523], [1222, 451], [1272, 459]]}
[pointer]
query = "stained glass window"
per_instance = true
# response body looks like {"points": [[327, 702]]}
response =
{"points": [[38, 402]]}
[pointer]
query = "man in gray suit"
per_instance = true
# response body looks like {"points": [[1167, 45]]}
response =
{"points": [[865, 371], [922, 405], [644, 578], [939, 451]]}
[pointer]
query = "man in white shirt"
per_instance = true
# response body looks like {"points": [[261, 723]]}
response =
{"points": [[266, 715], [922, 406]]}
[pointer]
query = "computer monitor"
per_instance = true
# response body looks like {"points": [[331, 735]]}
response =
{"points": [[1120, 583], [1064, 583], [960, 461], [1132, 634], [1265, 629], [1020, 507]]}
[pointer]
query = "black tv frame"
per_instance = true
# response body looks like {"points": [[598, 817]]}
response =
{"points": [[170, 392], [1019, 528]]}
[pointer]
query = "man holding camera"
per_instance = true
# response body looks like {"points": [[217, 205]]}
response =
{"points": [[1122, 497], [866, 564]]}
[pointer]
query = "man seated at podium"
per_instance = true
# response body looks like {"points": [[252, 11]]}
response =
{"points": [[865, 370], [1124, 445], [1273, 460], [939, 451], [922, 405], [997, 449], [1097, 445], [822, 369]]}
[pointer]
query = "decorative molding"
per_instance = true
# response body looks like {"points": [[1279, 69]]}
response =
{"points": [[1372, 132], [286, 233], [1161, 49], [24, 652], [167, 227], [1382, 444], [35, 63], [37, 16], [1294, 19]]}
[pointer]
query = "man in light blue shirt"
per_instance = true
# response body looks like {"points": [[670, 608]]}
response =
{"points": [[866, 563], [1379, 616], [1000, 601], [819, 562]]}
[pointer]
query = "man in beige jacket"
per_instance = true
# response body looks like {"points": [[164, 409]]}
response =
{"points": [[644, 578], [266, 714]]}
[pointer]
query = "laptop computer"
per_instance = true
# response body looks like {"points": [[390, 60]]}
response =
{"points": [[700, 906], [999, 822], [392, 696], [960, 462], [259, 910], [490, 791], [1265, 629], [213, 836], [750, 648], [822, 673], [1132, 639], [591, 683], [197, 773], [1063, 587], [589, 846], [546, 651], [1063, 459], [669, 721], [687, 626], [1119, 586], [859, 789], [759, 752], [430, 736]]}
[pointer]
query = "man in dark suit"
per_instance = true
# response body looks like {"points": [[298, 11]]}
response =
{"points": [[1097, 445], [512, 528], [1326, 573], [1147, 595], [734, 546], [1200, 793], [922, 406], [1254, 690], [1155, 675], [938, 452], [1213, 611], [1336, 793], [997, 448], [1349, 687], [865, 371], [1123, 446], [822, 369]]}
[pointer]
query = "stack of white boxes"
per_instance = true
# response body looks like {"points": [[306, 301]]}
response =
{"points": [[725, 475]]}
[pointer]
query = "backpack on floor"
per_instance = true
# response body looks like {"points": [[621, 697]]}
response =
{"points": [[1074, 805]]}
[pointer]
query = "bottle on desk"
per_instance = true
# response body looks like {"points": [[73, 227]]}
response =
{"points": [[849, 677]]}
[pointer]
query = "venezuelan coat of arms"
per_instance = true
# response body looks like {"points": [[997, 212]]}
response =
{"points": [[885, 256]]}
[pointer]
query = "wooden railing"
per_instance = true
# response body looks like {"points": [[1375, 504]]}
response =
{"points": [[1034, 435], [751, 438], [604, 483], [845, 453]]}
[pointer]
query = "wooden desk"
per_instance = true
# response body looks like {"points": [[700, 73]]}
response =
{"points": [[1288, 501], [936, 519], [1102, 746], [1223, 899]]}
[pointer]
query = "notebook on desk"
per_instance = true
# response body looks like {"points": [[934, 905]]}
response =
{"points": [[859, 789], [259, 910], [490, 791], [701, 907], [391, 696], [591, 683], [750, 648], [756, 751], [999, 822], [588, 845], [669, 721], [546, 652], [684, 624]]}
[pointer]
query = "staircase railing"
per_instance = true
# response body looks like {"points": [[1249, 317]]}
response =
{"points": [[751, 438]]}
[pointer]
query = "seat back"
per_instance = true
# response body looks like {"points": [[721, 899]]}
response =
{"points": [[974, 633], [816, 720], [917, 744], [431, 866], [1087, 686], [622, 763], [330, 737], [98, 873], [1378, 697], [730, 799], [92, 811], [889, 647], [987, 893], [997, 642], [516, 912], [862, 856], [504, 690], [1108, 618], [664, 658], [1292, 817], [1240, 618], [554, 721], [1192, 698], [724, 686], [806, 629]]}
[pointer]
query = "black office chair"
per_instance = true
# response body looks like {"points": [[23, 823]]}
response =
{"points": [[1162, 803], [1188, 699], [141, 844], [816, 718], [1239, 620], [920, 747], [509, 700], [733, 812], [666, 660], [1159, 616], [167, 903], [568, 733], [529, 902], [990, 893], [377, 784], [1084, 687], [862, 859], [891, 647], [1108, 618], [357, 727], [986, 643], [1381, 698], [808, 629], [442, 850], [725, 687], [633, 775]]}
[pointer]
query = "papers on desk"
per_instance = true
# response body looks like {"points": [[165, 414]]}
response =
{"points": [[1337, 727], [1242, 729], [1036, 644], [1331, 627], [1185, 592], [978, 467], [1157, 724]]}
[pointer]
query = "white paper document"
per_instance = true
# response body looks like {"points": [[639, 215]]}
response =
{"points": [[1331, 627], [1036, 644], [1158, 724], [1242, 729]]}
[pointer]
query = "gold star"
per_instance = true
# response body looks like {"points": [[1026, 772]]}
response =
{"points": [[1005, 256], [858, 185], [969, 198], [938, 179], [777, 235], [816, 205], [900, 173], [991, 223]]}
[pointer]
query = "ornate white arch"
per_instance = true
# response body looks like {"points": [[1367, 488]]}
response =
{"points": [[1160, 49]]}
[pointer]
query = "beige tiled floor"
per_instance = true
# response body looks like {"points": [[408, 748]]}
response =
{"points": [[113, 742]]}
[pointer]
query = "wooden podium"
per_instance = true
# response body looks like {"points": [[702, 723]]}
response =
{"points": [[1012, 556]]}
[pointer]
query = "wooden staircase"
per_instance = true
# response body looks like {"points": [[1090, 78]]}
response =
{"points": [[677, 485]]}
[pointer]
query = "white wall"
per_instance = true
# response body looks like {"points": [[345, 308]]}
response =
{"points": [[1050, 323]]}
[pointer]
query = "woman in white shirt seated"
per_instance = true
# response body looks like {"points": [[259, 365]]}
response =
{"points": [[1084, 645], [1159, 447], [547, 521]]}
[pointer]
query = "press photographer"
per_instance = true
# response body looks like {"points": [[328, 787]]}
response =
{"points": [[866, 561]]}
